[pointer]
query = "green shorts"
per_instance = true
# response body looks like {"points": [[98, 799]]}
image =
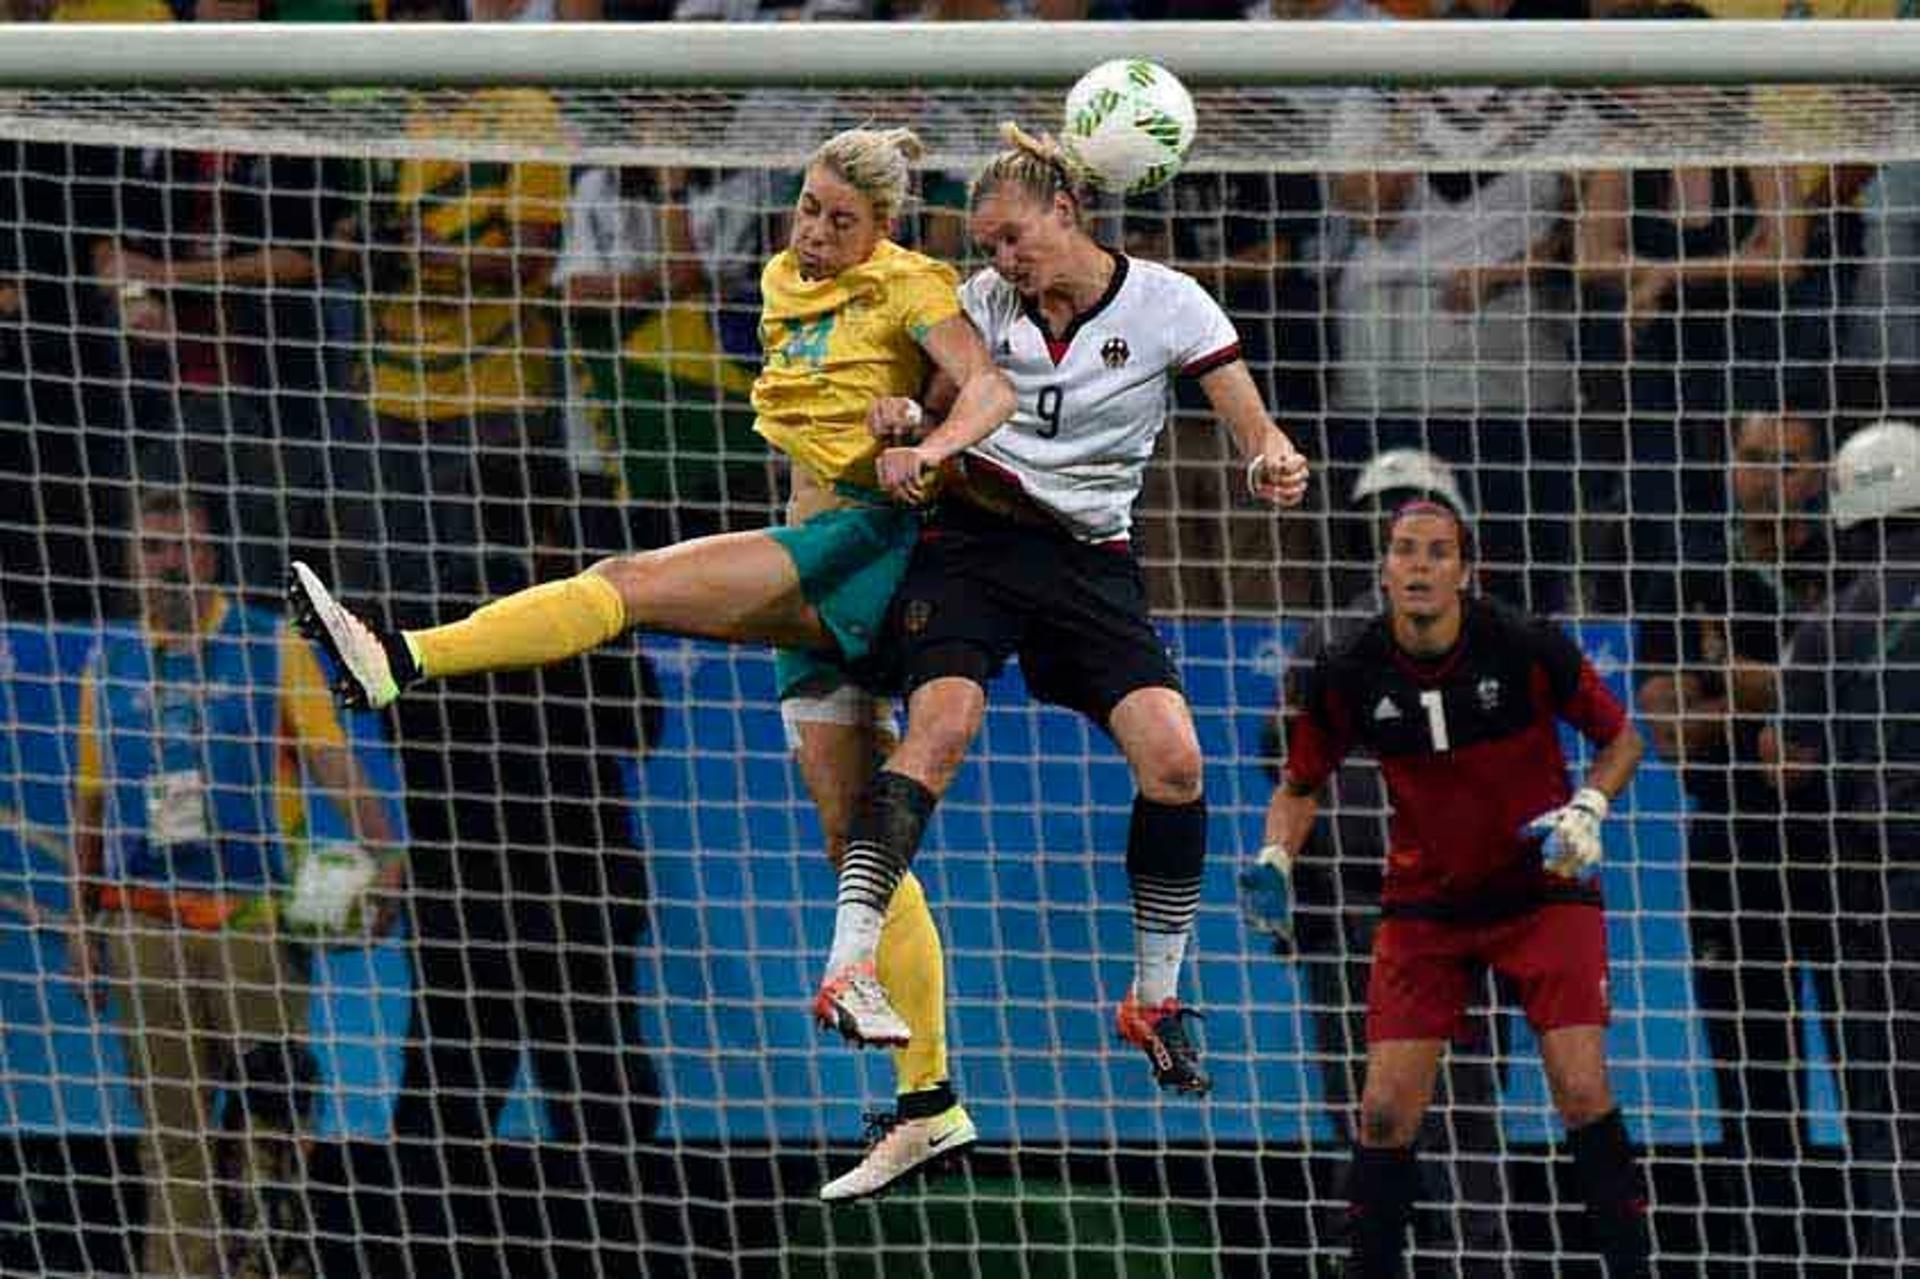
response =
{"points": [[850, 560]]}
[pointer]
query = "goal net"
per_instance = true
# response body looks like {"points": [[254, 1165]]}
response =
{"points": [[449, 340]]}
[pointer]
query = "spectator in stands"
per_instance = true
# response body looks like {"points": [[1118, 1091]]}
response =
{"points": [[208, 263], [195, 723], [1449, 331], [530, 897], [66, 449], [1848, 741], [654, 406], [770, 10], [462, 374], [1337, 885], [1878, 330], [1705, 292], [534, 10], [1759, 894], [1249, 239]]}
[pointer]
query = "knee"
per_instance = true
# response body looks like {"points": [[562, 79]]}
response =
{"points": [[1172, 773], [942, 720], [1388, 1119], [1584, 1098], [942, 741], [629, 575]]}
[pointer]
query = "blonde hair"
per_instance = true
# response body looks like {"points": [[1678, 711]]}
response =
{"points": [[878, 163], [1035, 165]]}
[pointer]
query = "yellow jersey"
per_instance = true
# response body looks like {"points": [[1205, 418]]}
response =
{"points": [[832, 347], [438, 350]]}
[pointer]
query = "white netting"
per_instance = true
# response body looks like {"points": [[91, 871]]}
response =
{"points": [[1242, 130], [389, 347]]}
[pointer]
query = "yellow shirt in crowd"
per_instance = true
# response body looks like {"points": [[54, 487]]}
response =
{"points": [[834, 346], [447, 350]]}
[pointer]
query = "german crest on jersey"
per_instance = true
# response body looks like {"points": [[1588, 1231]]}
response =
{"points": [[1115, 353]]}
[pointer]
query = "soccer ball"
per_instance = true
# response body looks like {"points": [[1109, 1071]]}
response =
{"points": [[1129, 123]]}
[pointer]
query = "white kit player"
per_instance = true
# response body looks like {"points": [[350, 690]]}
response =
{"points": [[1027, 553]]}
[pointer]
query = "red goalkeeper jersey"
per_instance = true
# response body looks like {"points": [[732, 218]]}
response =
{"points": [[1469, 747]]}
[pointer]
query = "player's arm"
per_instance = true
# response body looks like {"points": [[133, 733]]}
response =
{"points": [[984, 398], [1318, 738], [1570, 834], [1276, 471]]}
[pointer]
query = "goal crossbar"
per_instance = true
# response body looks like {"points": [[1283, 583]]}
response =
{"points": [[1204, 54]]}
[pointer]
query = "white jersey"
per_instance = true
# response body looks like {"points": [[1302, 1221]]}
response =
{"points": [[1092, 401]]}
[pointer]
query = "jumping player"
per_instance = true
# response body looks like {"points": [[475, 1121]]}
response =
{"points": [[1490, 864], [1027, 552], [849, 317]]}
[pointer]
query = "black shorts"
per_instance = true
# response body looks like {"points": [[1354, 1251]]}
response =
{"points": [[980, 588]]}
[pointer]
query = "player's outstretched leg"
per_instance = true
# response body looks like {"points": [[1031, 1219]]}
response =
{"points": [[735, 587], [374, 664], [542, 624]]}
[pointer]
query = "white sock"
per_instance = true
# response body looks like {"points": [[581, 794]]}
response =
{"points": [[856, 935], [1157, 959]]}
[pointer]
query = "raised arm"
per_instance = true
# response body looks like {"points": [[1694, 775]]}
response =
{"points": [[984, 398], [1276, 471]]}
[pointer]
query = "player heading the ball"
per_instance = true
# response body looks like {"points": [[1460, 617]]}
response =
{"points": [[1029, 554]]}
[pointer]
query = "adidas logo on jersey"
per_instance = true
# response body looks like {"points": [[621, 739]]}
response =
{"points": [[1385, 710]]}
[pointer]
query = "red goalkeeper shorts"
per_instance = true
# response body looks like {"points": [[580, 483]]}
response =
{"points": [[1426, 970]]}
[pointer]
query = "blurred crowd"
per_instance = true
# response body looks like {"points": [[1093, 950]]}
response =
{"points": [[431, 357]]}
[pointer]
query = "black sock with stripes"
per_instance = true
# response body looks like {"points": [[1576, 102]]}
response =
{"points": [[1166, 849], [881, 842]]}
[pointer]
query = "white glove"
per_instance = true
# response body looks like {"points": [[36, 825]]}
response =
{"points": [[1570, 835]]}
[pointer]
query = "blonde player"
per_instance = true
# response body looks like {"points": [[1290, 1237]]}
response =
{"points": [[849, 318]]}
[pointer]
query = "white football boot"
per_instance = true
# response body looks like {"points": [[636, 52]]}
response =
{"points": [[853, 1002], [902, 1146], [367, 678]]}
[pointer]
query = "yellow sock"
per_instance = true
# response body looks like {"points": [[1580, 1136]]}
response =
{"points": [[912, 966], [533, 627]]}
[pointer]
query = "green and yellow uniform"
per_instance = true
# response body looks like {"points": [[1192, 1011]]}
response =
{"points": [[833, 347]]}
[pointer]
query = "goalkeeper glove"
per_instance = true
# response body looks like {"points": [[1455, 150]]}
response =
{"points": [[1266, 895], [1570, 835]]}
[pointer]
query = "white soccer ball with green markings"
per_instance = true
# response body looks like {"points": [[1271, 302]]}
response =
{"points": [[1129, 122]]}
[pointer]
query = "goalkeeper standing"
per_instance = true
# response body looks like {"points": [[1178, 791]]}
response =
{"points": [[849, 317], [1489, 864]]}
